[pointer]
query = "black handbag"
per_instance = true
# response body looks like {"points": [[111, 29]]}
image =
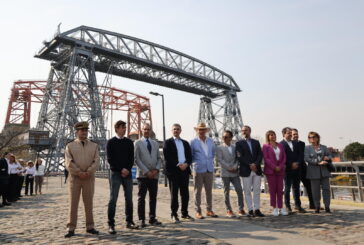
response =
{"points": [[330, 166]]}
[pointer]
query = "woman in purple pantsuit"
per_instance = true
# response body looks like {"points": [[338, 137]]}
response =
{"points": [[274, 167]]}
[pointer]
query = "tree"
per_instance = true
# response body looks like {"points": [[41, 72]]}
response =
{"points": [[10, 139], [354, 151]]}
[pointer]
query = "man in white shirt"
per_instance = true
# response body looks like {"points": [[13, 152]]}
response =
{"points": [[292, 177], [177, 155]]}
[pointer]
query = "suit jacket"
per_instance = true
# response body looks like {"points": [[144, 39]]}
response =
{"points": [[245, 157], [80, 158], [200, 162], [144, 160], [171, 156], [291, 156], [4, 171], [303, 165], [271, 162], [227, 160], [315, 171]]}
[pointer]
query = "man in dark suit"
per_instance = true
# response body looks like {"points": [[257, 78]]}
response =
{"points": [[178, 158], [249, 155], [4, 180], [303, 167], [292, 178]]}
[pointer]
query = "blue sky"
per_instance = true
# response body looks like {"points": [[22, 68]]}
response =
{"points": [[299, 63]]}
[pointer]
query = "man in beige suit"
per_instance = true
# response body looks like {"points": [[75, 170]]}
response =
{"points": [[229, 173], [81, 160]]}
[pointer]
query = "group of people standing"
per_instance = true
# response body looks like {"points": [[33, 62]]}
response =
{"points": [[14, 173], [241, 165], [291, 162]]}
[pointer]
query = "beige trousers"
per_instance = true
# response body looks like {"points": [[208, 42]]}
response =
{"points": [[87, 188], [203, 180], [38, 183]]}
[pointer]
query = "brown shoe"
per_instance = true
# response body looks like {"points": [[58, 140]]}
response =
{"points": [[230, 214], [199, 216], [211, 214], [241, 213]]}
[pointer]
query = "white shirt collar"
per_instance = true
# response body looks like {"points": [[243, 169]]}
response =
{"points": [[120, 138], [203, 141]]}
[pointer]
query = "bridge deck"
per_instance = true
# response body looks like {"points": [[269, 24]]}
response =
{"points": [[42, 220]]}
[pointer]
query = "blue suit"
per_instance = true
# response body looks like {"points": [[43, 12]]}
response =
{"points": [[203, 168], [200, 162]]}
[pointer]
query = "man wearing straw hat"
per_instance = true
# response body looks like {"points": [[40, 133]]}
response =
{"points": [[203, 153], [81, 160]]}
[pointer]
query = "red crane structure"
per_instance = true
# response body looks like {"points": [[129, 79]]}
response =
{"points": [[26, 92]]}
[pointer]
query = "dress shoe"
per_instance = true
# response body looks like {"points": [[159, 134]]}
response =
{"points": [[175, 219], [131, 225], [1, 205], [317, 210], [69, 234], [211, 214], [327, 210], [250, 214], [187, 218], [289, 210], [6, 203], [112, 230], [92, 231], [154, 222], [241, 213], [230, 214], [142, 223], [300, 210], [198, 215], [258, 213]]}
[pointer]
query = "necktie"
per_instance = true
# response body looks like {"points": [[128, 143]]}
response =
{"points": [[250, 146], [149, 146], [83, 143]]}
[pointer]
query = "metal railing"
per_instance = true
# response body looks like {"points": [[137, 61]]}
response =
{"points": [[353, 183], [354, 171]]}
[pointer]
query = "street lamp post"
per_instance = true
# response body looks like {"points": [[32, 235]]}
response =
{"points": [[164, 129]]}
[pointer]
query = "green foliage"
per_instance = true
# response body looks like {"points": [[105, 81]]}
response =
{"points": [[354, 151]]}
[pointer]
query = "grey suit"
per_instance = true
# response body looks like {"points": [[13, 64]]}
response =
{"points": [[227, 162], [147, 161], [318, 174], [144, 160]]}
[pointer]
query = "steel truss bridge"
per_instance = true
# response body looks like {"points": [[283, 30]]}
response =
{"points": [[71, 92]]}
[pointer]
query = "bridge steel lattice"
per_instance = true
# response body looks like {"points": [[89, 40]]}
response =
{"points": [[79, 53]]}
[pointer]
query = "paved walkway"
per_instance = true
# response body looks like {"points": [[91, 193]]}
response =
{"points": [[41, 220]]}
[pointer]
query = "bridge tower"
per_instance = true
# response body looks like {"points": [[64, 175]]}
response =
{"points": [[80, 52]]}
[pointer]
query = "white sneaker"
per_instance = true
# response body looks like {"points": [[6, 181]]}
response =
{"points": [[284, 212], [275, 212]]}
